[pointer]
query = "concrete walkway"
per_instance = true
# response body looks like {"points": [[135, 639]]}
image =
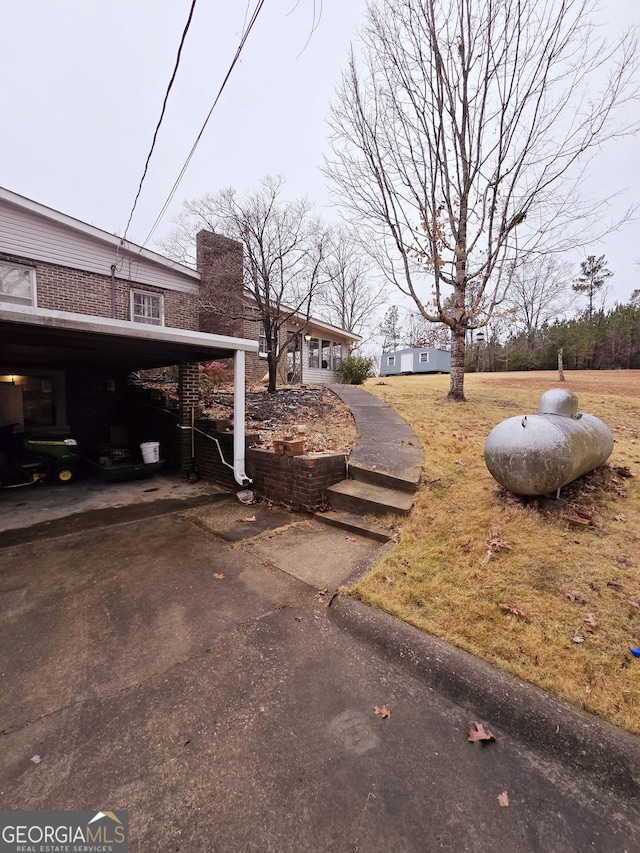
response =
{"points": [[385, 465]]}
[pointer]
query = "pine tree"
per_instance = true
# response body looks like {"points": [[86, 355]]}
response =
{"points": [[593, 274]]}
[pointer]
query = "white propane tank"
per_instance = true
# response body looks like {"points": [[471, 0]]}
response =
{"points": [[538, 454]]}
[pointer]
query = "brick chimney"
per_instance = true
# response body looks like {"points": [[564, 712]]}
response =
{"points": [[219, 261]]}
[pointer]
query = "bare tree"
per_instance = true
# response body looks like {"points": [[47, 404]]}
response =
{"points": [[460, 139], [421, 333], [348, 296], [284, 248], [540, 291]]}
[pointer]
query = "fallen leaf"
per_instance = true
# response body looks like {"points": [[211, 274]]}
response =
{"points": [[479, 733], [496, 543], [36, 759], [384, 712], [622, 471], [575, 595], [576, 638], [511, 609], [615, 584], [575, 519], [590, 619], [249, 518], [503, 799], [619, 518], [218, 575], [386, 579], [350, 538], [635, 602]]}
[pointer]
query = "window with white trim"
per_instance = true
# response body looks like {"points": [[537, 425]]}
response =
{"points": [[314, 352], [17, 284], [262, 339], [326, 355], [424, 357], [147, 307], [391, 360]]}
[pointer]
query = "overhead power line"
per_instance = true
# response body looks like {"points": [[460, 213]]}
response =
{"points": [[162, 112], [241, 45]]}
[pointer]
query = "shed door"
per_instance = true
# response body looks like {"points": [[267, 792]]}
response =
{"points": [[406, 362]]}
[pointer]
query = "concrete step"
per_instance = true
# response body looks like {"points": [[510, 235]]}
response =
{"points": [[367, 499], [354, 524], [405, 480]]}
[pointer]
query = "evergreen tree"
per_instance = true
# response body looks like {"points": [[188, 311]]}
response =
{"points": [[593, 274]]}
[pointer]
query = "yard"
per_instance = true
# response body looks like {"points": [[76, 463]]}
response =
{"points": [[551, 596]]}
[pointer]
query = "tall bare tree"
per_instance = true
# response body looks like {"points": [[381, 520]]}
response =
{"points": [[461, 137], [349, 296], [541, 291], [284, 247]]}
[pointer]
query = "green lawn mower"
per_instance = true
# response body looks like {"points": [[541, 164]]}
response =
{"points": [[26, 459]]}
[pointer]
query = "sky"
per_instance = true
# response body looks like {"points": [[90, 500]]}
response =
{"points": [[82, 83]]}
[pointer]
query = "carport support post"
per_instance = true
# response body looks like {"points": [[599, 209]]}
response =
{"points": [[188, 398]]}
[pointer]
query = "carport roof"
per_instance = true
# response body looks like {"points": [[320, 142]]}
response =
{"points": [[39, 338]]}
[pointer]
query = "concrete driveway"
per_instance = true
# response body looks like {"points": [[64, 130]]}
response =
{"points": [[177, 666]]}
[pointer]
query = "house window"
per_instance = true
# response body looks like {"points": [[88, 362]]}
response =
{"points": [[17, 284], [314, 352], [424, 357], [337, 355], [147, 308], [262, 339], [391, 360], [326, 355]]}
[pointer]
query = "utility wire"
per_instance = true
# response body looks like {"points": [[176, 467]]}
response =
{"points": [[174, 189], [162, 112]]}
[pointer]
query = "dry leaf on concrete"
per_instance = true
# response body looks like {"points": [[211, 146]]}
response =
{"points": [[383, 711], [503, 799], [479, 733]]}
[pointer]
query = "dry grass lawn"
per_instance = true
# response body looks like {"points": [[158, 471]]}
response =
{"points": [[466, 554]]}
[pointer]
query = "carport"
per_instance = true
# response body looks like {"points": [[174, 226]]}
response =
{"points": [[66, 346]]}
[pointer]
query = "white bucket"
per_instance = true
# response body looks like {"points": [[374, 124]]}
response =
{"points": [[150, 451]]}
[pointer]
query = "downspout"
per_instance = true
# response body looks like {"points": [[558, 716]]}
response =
{"points": [[113, 291], [238, 420]]}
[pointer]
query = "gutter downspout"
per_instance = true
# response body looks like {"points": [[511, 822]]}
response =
{"points": [[238, 420], [113, 291]]}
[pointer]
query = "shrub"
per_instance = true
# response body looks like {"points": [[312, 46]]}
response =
{"points": [[354, 369]]}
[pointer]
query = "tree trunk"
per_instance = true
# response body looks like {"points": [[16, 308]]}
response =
{"points": [[456, 385], [560, 365], [272, 362]]}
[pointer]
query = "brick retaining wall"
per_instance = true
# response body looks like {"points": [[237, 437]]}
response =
{"points": [[299, 482]]}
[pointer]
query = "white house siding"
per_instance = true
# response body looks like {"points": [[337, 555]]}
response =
{"points": [[27, 234], [319, 375]]}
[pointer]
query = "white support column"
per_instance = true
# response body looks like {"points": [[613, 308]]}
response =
{"points": [[238, 420]]}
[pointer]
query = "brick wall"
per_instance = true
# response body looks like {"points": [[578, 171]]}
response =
{"points": [[299, 482], [80, 292], [95, 402], [219, 262]]}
